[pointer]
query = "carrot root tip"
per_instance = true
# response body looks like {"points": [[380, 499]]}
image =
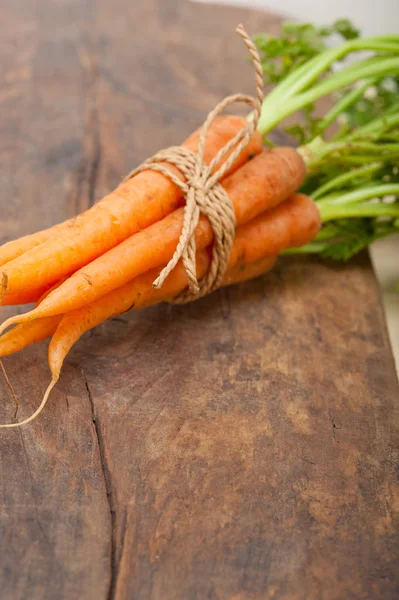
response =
{"points": [[16, 319], [37, 412]]}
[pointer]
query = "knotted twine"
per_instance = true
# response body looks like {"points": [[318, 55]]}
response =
{"points": [[202, 191]]}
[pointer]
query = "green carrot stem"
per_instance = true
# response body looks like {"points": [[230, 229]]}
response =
{"points": [[308, 73], [341, 132], [342, 105], [330, 212], [273, 115], [350, 146], [375, 127], [312, 248], [361, 194], [344, 178], [317, 152], [392, 109], [361, 154], [349, 160]]}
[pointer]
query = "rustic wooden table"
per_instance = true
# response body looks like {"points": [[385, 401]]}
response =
{"points": [[240, 448]]}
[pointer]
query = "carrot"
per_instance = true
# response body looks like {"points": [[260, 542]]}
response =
{"points": [[31, 296], [291, 224], [260, 184], [27, 297], [134, 205], [24, 335], [15, 248]]}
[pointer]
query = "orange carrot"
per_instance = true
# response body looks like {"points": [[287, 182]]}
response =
{"points": [[134, 205], [293, 223], [27, 297], [260, 184], [24, 335], [16, 248], [23, 298], [30, 296]]}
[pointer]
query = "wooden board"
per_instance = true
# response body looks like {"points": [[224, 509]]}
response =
{"points": [[244, 447]]}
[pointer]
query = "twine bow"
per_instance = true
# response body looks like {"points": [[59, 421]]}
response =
{"points": [[202, 191]]}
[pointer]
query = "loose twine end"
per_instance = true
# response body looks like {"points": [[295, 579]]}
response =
{"points": [[10, 387], [202, 191], [33, 416]]}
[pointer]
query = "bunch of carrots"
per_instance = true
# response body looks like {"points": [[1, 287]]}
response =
{"points": [[104, 261]]}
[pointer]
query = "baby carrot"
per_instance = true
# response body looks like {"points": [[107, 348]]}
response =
{"points": [[134, 205], [287, 216], [260, 184], [291, 224], [24, 335], [29, 296], [16, 248]]}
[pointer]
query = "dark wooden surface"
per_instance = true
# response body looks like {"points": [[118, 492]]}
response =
{"points": [[242, 448]]}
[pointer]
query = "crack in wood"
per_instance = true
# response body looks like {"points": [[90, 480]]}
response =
{"points": [[88, 168], [334, 428], [108, 488], [37, 519], [92, 128], [95, 159]]}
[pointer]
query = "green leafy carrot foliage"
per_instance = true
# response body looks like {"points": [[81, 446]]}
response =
{"points": [[352, 151]]}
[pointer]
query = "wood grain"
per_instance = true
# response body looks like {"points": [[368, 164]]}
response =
{"points": [[241, 448]]}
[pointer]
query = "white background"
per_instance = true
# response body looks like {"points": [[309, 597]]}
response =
{"points": [[371, 16]]}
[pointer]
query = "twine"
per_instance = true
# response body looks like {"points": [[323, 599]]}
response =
{"points": [[203, 193]]}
